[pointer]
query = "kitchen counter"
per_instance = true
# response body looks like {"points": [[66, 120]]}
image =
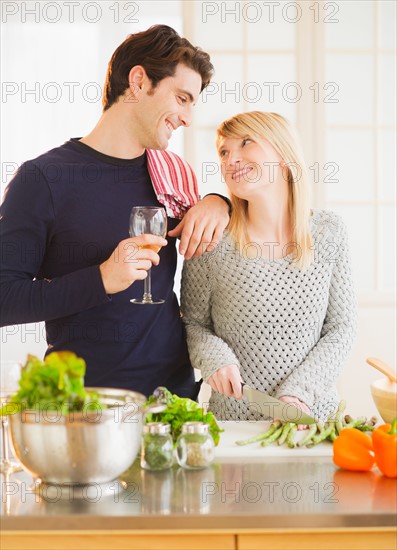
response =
{"points": [[250, 496]]}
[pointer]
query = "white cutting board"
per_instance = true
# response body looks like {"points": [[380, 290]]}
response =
{"points": [[235, 431]]}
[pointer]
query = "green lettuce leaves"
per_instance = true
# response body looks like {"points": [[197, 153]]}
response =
{"points": [[180, 410], [53, 384]]}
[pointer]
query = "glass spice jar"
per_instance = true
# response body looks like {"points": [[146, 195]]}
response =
{"points": [[157, 449], [195, 446]]}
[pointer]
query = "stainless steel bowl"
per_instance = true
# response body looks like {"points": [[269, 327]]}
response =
{"points": [[93, 446]]}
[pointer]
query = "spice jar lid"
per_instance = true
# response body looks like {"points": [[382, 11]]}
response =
{"points": [[157, 428], [195, 428]]}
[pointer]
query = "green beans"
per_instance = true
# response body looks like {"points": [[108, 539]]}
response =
{"points": [[356, 423], [275, 435], [368, 426], [290, 436], [322, 436], [332, 436], [286, 429], [285, 432], [311, 433], [339, 417], [273, 427]]}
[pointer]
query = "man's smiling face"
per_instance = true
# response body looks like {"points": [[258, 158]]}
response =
{"points": [[160, 111]]}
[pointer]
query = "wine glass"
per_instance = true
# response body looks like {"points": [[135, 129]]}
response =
{"points": [[8, 386], [148, 220]]}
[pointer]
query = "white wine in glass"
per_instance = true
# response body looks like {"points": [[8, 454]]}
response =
{"points": [[148, 220]]}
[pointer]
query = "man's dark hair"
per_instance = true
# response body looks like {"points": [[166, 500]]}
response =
{"points": [[159, 50]]}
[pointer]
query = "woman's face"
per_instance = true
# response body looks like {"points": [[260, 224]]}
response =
{"points": [[248, 165]]}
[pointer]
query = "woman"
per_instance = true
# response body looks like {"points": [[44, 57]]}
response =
{"points": [[273, 305]]}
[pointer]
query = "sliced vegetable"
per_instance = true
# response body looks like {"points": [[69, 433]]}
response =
{"points": [[384, 439], [353, 450]]}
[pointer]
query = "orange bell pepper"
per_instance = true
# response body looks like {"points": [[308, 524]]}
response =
{"points": [[353, 450], [384, 440]]}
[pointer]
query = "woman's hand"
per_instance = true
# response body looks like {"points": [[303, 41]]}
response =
{"points": [[299, 405], [227, 380]]}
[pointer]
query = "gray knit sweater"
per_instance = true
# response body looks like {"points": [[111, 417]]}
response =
{"points": [[289, 331]]}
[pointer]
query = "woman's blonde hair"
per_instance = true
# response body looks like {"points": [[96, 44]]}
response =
{"points": [[278, 132]]}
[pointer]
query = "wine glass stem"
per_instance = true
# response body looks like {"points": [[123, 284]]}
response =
{"points": [[147, 287], [4, 438]]}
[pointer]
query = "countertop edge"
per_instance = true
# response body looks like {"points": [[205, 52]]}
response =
{"points": [[174, 522]]}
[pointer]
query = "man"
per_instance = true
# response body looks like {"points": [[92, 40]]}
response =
{"points": [[66, 258]]}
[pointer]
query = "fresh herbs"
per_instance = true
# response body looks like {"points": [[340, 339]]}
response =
{"points": [[57, 383], [180, 410], [157, 451]]}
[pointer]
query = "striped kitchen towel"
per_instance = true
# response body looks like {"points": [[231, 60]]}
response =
{"points": [[174, 182]]}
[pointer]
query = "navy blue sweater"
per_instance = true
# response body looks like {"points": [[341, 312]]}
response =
{"points": [[63, 214]]}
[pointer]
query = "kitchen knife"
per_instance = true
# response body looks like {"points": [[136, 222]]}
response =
{"points": [[270, 406]]}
